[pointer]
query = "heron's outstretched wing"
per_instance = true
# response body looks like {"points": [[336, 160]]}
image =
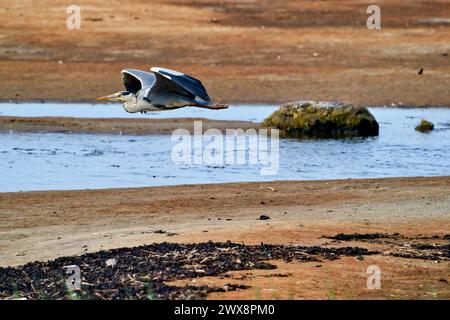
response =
{"points": [[135, 80], [182, 81]]}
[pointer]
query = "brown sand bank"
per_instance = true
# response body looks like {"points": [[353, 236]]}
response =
{"points": [[244, 51], [46, 225], [114, 125]]}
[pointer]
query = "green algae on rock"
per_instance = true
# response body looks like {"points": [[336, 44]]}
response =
{"points": [[425, 126], [308, 119]]}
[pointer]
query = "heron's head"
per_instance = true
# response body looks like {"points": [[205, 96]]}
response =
{"points": [[121, 96]]}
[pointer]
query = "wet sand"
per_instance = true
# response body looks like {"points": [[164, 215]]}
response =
{"points": [[244, 51], [48, 225], [115, 125]]}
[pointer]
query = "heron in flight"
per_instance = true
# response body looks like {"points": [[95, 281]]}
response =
{"points": [[164, 89]]}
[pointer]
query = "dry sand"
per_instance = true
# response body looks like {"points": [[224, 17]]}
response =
{"points": [[46, 225], [244, 51]]}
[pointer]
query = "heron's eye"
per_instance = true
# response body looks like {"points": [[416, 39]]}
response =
{"points": [[125, 93]]}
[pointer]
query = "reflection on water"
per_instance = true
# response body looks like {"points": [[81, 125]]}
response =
{"points": [[80, 161]]}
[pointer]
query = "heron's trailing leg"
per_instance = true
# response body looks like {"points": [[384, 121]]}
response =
{"points": [[212, 107]]}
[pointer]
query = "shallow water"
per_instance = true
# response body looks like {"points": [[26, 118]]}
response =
{"points": [[43, 161], [255, 113]]}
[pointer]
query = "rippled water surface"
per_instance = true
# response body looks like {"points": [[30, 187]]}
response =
{"points": [[83, 110], [42, 161]]}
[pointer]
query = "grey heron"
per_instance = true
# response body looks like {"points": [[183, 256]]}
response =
{"points": [[164, 89]]}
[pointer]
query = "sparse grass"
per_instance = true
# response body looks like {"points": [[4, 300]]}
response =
{"points": [[331, 293], [149, 291]]}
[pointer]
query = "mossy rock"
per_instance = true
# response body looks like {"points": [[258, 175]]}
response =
{"points": [[307, 119], [425, 126]]}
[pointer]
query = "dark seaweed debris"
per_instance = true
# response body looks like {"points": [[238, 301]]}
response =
{"points": [[142, 272], [426, 247], [363, 236]]}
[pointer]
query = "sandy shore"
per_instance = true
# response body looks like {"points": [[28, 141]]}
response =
{"points": [[244, 51], [47, 225], [115, 125]]}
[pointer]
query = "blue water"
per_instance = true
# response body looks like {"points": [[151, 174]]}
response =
{"points": [[47, 161], [253, 113]]}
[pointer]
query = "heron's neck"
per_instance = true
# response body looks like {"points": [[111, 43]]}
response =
{"points": [[131, 104]]}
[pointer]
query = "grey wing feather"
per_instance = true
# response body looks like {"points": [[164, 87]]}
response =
{"points": [[135, 80], [188, 83], [166, 87]]}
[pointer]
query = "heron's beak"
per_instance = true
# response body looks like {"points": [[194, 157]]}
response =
{"points": [[111, 97]]}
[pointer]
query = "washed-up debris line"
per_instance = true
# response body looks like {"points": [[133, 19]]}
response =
{"points": [[426, 247], [142, 272], [363, 236]]}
